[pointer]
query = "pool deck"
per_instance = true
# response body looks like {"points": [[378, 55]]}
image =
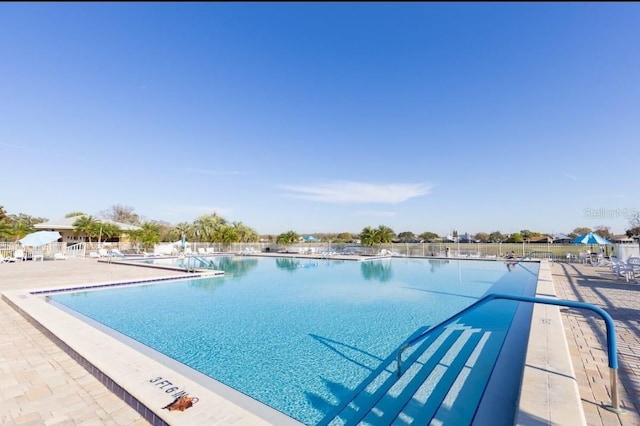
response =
{"points": [[41, 384]]}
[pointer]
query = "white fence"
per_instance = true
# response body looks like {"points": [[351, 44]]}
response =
{"points": [[567, 252]]}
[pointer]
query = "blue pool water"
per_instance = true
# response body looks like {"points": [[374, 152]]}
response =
{"points": [[298, 335]]}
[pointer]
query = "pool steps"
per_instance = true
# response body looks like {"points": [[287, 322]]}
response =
{"points": [[439, 376]]}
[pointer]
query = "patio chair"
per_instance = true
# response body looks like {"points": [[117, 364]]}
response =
{"points": [[634, 264], [202, 251], [601, 261], [59, 256], [37, 255], [622, 270], [585, 258], [18, 255]]}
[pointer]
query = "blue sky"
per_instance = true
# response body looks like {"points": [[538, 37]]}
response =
{"points": [[325, 117]]}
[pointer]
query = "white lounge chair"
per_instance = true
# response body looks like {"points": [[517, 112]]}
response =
{"points": [[634, 264], [59, 256], [585, 258], [202, 251], [622, 270], [18, 255], [248, 251]]}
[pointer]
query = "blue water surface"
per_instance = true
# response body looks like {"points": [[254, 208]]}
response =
{"points": [[296, 334]]}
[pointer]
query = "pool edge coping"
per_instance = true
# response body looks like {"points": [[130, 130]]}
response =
{"points": [[549, 391]]}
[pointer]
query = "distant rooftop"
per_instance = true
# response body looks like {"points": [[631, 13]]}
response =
{"points": [[67, 223]]}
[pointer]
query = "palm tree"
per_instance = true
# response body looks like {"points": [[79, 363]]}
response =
{"points": [[287, 238], [245, 233], [19, 229], [5, 229], [227, 235], [149, 235], [183, 228], [369, 237], [385, 234], [206, 227], [108, 230], [87, 225]]}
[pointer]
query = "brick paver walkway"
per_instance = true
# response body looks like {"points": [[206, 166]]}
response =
{"points": [[586, 335]]}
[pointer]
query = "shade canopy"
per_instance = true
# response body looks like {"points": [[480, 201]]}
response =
{"points": [[590, 238], [40, 238]]}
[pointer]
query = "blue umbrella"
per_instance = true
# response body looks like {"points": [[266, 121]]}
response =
{"points": [[40, 238], [590, 238]]}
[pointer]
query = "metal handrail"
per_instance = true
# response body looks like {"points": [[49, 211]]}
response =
{"points": [[549, 253], [611, 334]]}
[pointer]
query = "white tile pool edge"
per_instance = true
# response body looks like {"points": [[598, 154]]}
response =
{"points": [[132, 375], [549, 391]]}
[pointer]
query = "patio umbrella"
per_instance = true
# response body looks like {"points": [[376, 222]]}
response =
{"points": [[40, 238], [590, 238]]}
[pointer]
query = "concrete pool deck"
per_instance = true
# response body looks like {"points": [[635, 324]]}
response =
{"points": [[40, 384]]}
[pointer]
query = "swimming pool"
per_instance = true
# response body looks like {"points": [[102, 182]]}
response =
{"points": [[300, 335]]}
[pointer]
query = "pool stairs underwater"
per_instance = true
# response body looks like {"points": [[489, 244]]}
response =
{"points": [[445, 379], [196, 262]]}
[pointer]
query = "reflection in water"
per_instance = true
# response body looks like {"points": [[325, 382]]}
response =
{"points": [[437, 264], [287, 263], [235, 267], [292, 264], [376, 270]]}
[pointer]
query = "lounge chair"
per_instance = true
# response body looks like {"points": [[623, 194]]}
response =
{"points": [[248, 251], [116, 253], [37, 255], [202, 251], [94, 254], [59, 256]]}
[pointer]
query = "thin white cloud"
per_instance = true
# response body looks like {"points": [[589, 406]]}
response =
{"points": [[206, 171], [373, 213], [572, 177], [358, 192]]}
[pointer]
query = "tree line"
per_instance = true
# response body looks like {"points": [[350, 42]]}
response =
{"points": [[213, 228]]}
